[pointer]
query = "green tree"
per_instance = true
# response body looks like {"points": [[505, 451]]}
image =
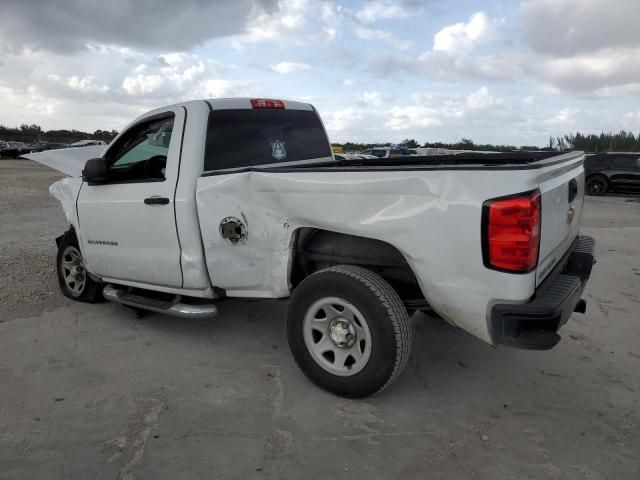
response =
{"points": [[410, 143]]}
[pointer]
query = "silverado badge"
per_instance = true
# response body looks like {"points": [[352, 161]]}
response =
{"points": [[278, 151]]}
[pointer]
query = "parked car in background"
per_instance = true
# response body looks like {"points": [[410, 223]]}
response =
{"points": [[352, 156], [606, 172], [13, 149], [42, 146], [387, 152], [87, 143], [426, 151]]}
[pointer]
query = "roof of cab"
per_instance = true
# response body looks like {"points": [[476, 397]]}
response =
{"points": [[245, 103]]}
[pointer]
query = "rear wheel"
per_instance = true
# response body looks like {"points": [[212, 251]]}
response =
{"points": [[73, 278], [597, 185], [348, 331]]}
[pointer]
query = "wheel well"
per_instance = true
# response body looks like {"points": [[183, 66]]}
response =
{"points": [[315, 249], [70, 231], [598, 175]]}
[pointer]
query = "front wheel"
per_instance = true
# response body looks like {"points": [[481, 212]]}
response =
{"points": [[597, 185], [73, 278], [349, 331]]}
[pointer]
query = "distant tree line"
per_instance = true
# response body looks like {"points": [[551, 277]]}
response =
{"points": [[622, 141], [34, 133]]}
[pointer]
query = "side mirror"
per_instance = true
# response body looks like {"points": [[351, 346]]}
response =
{"points": [[95, 171]]}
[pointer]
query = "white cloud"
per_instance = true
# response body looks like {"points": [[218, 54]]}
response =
{"points": [[564, 118], [175, 76], [217, 88], [452, 54], [501, 67], [379, 34], [567, 27], [372, 33], [591, 72], [370, 99], [346, 123], [105, 87], [293, 22], [377, 10], [461, 37], [631, 120], [142, 84], [481, 99], [586, 48], [412, 116], [68, 26], [86, 84], [287, 68]]}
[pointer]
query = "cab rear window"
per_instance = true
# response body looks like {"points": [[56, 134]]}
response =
{"points": [[251, 137]]}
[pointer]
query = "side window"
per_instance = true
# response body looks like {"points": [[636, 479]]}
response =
{"points": [[379, 153], [627, 162], [623, 162], [141, 153]]}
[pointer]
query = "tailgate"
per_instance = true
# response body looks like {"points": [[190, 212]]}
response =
{"points": [[562, 197]]}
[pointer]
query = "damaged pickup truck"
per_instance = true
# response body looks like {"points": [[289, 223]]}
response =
{"points": [[206, 200]]}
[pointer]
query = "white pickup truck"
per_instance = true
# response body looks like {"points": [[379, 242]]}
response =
{"points": [[206, 200]]}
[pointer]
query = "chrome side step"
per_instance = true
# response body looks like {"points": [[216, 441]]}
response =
{"points": [[175, 309]]}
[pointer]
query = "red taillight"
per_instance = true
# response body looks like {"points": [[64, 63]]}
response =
{"points": [[266, 103], [511, 232]]}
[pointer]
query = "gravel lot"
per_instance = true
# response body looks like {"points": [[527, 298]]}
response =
{"points": [[94, 392]]}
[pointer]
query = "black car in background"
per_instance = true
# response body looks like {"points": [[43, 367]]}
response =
{"points": [[606, 172], [42, 146], [13, 149]]}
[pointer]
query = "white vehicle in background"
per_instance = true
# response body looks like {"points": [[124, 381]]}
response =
{"points": [[242, 198], [88, 143], [425, 151]]}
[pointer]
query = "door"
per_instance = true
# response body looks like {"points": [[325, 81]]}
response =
{"points": [[127, 223], [625, 171]]}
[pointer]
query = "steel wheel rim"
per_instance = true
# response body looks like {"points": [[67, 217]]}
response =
{"points": [[73, 272], [596, 186], [328, 328]]}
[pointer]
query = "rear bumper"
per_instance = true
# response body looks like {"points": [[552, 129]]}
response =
{"points": [[534, 325]]}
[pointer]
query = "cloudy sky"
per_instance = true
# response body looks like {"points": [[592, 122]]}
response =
{"points": [[496, 71]]}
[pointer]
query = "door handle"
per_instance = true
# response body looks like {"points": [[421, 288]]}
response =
{"points": [[156, 201], [573, 189]]}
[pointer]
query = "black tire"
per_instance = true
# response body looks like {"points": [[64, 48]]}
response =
{"points": [[84, 289], [597, 185], [387, 323]]}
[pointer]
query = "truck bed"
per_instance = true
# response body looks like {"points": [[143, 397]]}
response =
{"points": [[470, 161]]}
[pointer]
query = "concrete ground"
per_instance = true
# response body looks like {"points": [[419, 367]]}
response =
{"points": [[91, 391]]}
